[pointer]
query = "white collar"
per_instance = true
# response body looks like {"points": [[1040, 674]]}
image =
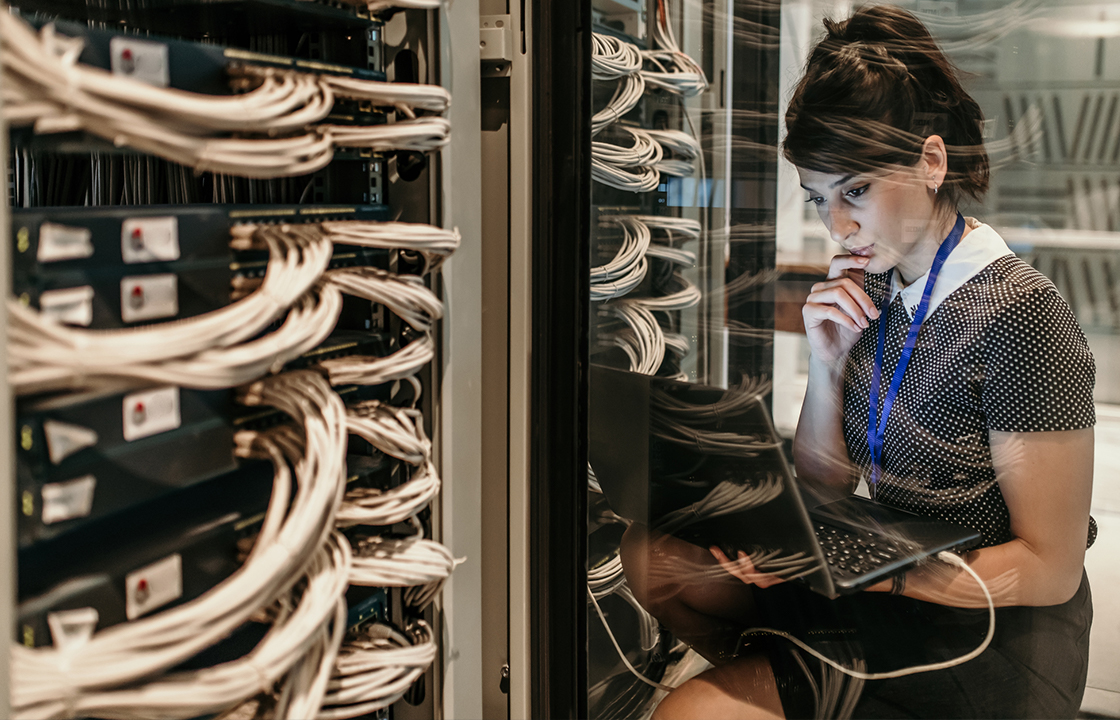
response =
{"points": [[979, 249]]}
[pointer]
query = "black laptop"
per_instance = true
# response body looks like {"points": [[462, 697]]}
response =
{"points": [[706, 465]]}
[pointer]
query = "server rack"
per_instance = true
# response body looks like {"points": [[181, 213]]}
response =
{"points": [[332, 39]]}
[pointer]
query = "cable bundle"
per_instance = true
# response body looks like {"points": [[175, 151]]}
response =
{"points": [[687, 258], [420, 135], [397, 432], [97, 677], [628, 267], [435, 243], [405, 97], [376, 668], [675, 71], [672, 226], [206, 351], [644, 342], [45, 86], [407, 298], [726, 498], [400, 562], [612, 58], [627, 168], [687, 296], [683, 146], [626, 95]]}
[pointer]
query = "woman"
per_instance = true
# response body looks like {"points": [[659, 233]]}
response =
{"points": [[985, 421]]}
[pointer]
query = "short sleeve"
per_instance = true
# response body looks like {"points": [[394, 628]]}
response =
{"points": [[1039, 372]]}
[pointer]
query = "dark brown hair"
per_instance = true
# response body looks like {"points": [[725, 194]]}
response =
{"points": [[874, 89]]}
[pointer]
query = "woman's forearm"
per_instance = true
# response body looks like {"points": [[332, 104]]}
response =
{"points": [[819, 449], [1013, 573]]}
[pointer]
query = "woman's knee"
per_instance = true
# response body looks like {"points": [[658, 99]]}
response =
{"points": [[742, 690]]}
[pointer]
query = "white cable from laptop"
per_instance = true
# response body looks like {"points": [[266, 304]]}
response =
{"points": [[946, 557]]}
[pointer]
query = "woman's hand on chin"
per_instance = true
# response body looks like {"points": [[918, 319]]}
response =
{"points": [[838, 310]]}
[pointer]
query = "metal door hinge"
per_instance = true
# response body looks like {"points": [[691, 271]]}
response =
{"points": [[495, 44]]}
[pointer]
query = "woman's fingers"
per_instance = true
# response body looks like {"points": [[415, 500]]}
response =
{"points": [[856, 292], [840, 298], [841, 264], [815, 315], [744, 569]]}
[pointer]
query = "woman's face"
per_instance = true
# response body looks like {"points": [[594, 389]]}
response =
{"points": [[887, 216]]}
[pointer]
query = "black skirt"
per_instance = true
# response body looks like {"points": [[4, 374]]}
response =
{"points": [[1035, 667]]}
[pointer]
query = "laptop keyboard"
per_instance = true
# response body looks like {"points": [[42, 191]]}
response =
{"points": [[851, 553]]}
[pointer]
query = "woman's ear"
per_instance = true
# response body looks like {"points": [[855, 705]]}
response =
{"points": [[935, 158]]}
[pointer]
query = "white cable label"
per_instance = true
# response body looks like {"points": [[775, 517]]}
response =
{"points": [[140, 60], [151, 412], [149, 297], [62, 242], [72, 628], [64, 439], [150, 239], [72, 305], [153, 586], [68, 500]]}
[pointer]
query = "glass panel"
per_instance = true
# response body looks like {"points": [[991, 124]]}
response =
{"points": [[681, 289], [698, 350]]}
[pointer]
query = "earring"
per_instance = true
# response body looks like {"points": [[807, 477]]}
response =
{"points": [[935, 188]]}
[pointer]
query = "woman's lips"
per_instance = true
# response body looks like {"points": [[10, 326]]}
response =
{"points": [[862, 251]]}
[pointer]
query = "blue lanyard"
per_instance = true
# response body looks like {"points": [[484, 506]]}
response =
{"points": [[877, 427]]}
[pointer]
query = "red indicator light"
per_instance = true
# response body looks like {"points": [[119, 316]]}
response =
{"points": [[126, 54]]}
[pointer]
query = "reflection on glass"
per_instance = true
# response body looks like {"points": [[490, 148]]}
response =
{"points": [[701, 530]]}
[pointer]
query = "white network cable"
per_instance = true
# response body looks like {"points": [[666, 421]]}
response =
{"points": [[672, 226], [408, 298], [627, 168], [645, 151], [626, 95], [203, 351], [421, 135], [399, 433], [726, 498], [45, 85], [678, 343], [376, 668], [687, 296], [98, 677], [687, 258], [405, 295], [613, 58], [370, 506], [400, 563], [684, 148], [405, 97], [395, 431], [435, 243], [374, 370], [946, 557], [644, 342], [628, 267], [676, 71]]}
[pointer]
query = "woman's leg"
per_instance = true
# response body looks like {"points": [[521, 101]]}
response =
{"points": [[743, 689]]}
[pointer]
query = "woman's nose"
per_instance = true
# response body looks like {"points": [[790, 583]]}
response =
{"points": [[841, 225]]}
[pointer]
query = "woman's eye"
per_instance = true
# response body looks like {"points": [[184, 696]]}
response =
{"points": [[816, 200], [856, 192]]}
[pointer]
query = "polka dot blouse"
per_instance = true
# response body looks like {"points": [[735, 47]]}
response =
{"points": [[1001, 352]]}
